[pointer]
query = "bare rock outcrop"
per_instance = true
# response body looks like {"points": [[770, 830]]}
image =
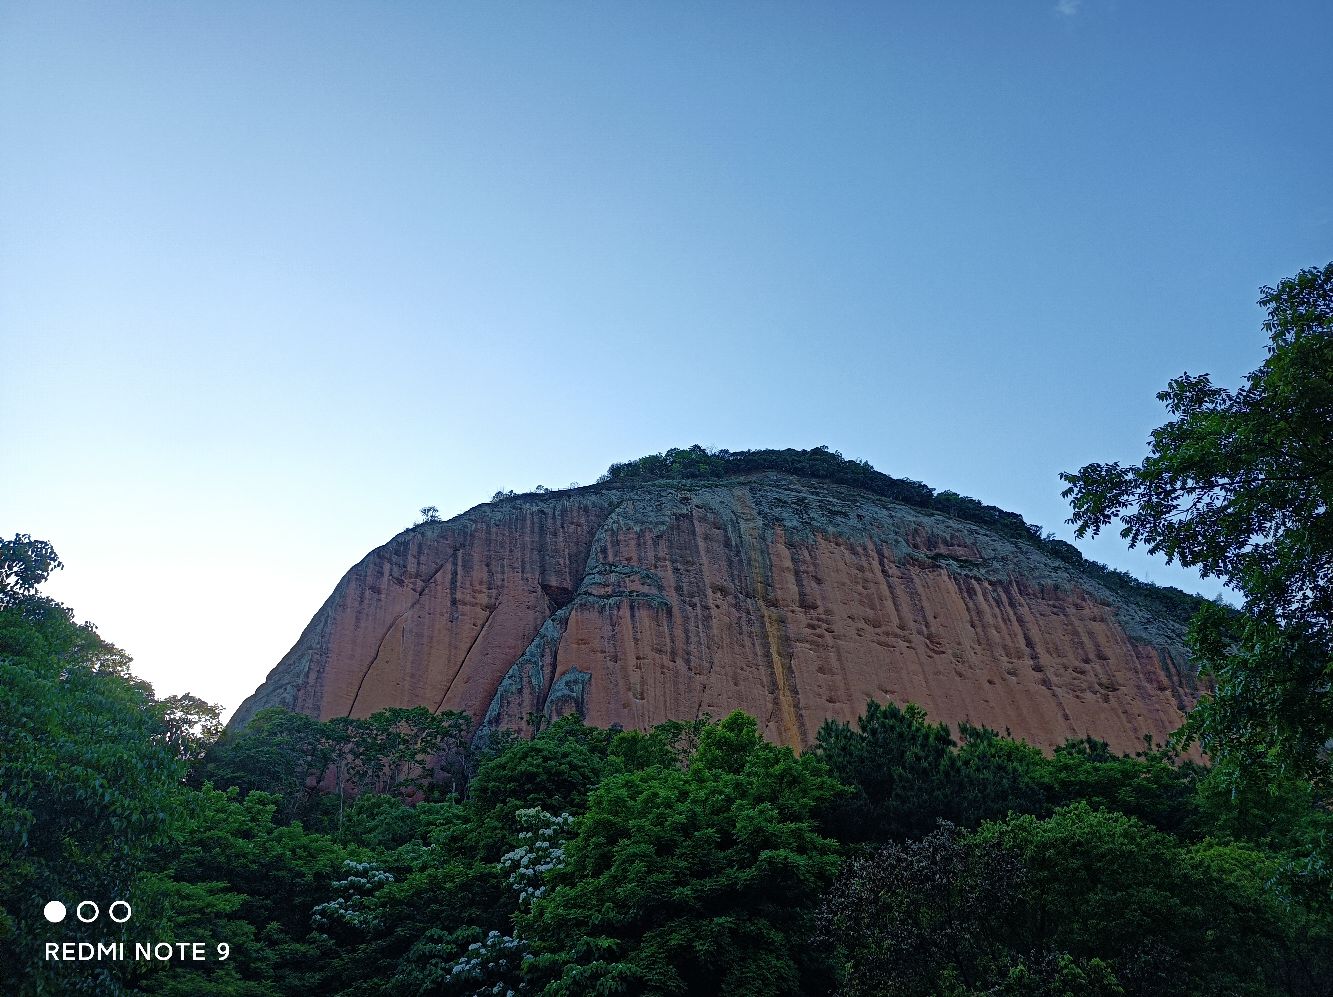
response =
{"points": [[792, 599]]}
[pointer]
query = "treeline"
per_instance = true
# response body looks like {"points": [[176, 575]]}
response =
{"points": [[892, 858], [392, 855], [697, 463]]}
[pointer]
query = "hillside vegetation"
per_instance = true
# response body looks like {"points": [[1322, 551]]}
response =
{"points": [[391, 855]]}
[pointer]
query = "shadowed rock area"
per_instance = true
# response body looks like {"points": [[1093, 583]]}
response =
{"points": [[795, 600]]}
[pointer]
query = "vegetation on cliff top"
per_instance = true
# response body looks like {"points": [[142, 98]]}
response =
{"points": [[697, 463]]}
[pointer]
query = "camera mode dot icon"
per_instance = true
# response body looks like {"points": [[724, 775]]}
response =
{"points": [[54, 911]]}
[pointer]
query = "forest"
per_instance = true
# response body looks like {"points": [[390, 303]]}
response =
{"points": [[397, 854], [391, 855]]}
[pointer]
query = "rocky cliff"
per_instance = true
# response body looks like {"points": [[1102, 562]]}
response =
{"points": [[795, 600]]}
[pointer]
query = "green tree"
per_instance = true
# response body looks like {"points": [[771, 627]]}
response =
{"points": [[1153, 786], [907, 773], [278, 752], [25, 564], [1167, 918], [409, 752], [700, 879], [88, 777], [192, 726], [234, 871], [402, 750], [556, 771], [1240, 485]]}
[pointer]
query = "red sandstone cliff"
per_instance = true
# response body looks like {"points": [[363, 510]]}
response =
{"points": [[794, 600]]}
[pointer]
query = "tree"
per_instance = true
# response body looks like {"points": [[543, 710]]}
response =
{"points": [[1240, 485], [1168, 918], [1154, 786], [88, 777], [277, 752], [24, 564], [192, 725], [232, 870], [905, 915], [700, 879], [906, 773], [556, 771]]}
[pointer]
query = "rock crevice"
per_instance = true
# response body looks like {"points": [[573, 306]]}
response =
{"points": [[791, 599]]}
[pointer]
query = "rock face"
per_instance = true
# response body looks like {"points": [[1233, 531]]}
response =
{"points": [[792, 599]]}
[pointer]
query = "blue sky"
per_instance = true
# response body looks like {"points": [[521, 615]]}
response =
{"points": [[273, 276]]}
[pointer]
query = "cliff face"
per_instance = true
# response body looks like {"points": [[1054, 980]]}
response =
{"points": [[791, 599]]}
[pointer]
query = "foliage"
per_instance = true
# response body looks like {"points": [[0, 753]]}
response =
{"points": [[1153, 786], [215, 881], [693, 880], [25, 564], [540, 851], [407, 752], [399, 750], [497, 962], [908, 773], [351, 910], [87, 773], [910, 914], [278, 752], [555, 771], [821, 463], [1240, 485], [1164, 915], [385, 855], [192, 726], [492, 965]]}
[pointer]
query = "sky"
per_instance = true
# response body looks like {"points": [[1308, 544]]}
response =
{"points": [[273, 276]]}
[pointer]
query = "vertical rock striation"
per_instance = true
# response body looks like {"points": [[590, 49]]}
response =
{"points": [[792, 599]]}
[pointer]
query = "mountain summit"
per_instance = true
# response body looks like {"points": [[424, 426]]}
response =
{"points": [[794, 585]]}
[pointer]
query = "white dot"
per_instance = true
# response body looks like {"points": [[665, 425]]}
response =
{"points": [[54, 911]]}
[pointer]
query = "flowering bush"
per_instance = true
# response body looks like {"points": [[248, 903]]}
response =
{"points": [[352, 910], [541, 850]]}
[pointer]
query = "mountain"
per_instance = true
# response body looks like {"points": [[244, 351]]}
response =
{"points": [[794, 587]]}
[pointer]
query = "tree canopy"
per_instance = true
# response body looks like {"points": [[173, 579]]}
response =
{"points": [[394, 855], [1240, 485]]}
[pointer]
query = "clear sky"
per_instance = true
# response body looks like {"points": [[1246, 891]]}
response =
{"points": [[273, 276]]}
